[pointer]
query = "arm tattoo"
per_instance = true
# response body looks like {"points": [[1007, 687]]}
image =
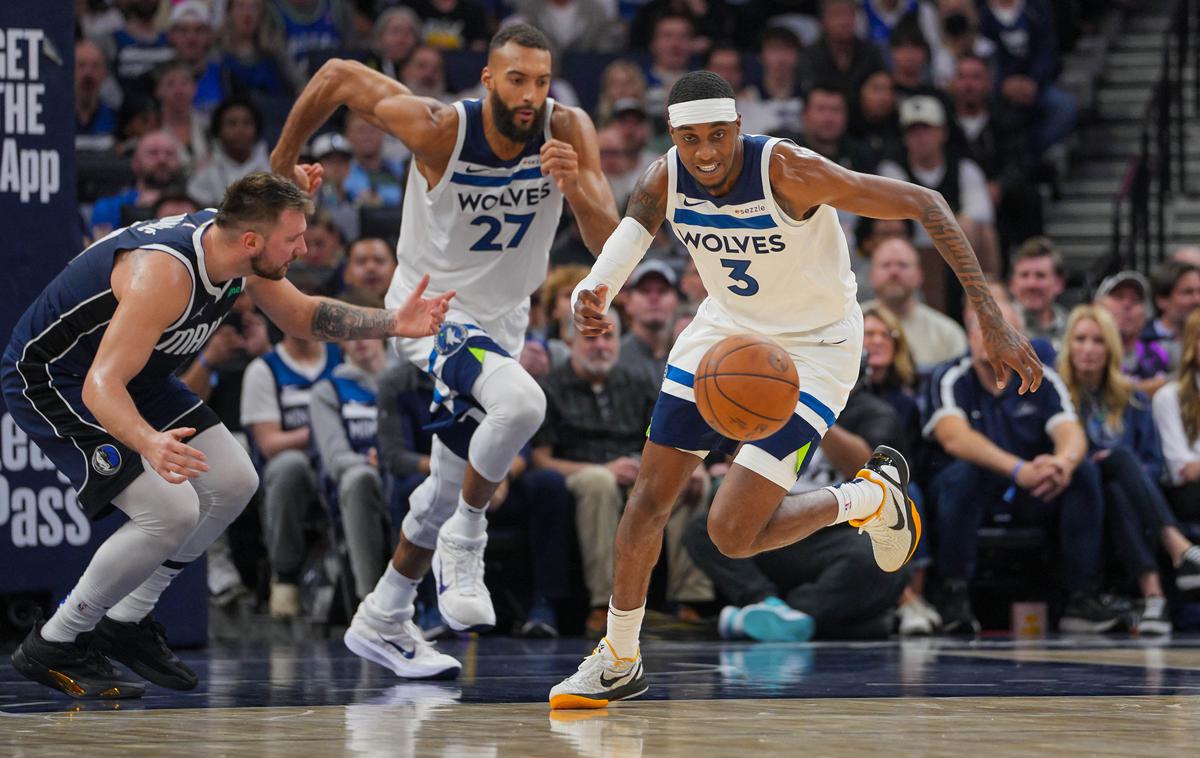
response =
{"points": [[646, 207], [950, 241], [338, 321]]}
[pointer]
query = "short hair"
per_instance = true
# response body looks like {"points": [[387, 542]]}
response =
{"points": [[174, 64], [1040, 247], [779, 34], [699, 85], [907, 33], [229, 104], [829, 88], [524, 35], [176, 195], [1167, 274], [260, 198], [726, 47]]}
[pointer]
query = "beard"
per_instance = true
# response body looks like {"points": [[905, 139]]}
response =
{"points": [[259, 267], [507, 125]]}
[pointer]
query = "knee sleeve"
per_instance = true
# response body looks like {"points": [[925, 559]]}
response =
{"points": [[515, 406], [436, 498], [165, 511]]}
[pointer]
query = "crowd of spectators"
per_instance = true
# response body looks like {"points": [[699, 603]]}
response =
{"points": [[1102, 462]]}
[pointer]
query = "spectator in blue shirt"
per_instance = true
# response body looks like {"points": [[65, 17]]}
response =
{"points": [[1014, 454], [1027, 66], [156, 168], [190, 33], [253, 58], [1123, 441], [95, 120], [373, 180]]}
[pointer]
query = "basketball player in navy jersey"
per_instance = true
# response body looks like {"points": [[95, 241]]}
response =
{"points": [[758, 216], [89, 376], [481, 207]]}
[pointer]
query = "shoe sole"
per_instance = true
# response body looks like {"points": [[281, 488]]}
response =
{"points": [[1154, 628], [459, 626], [568, 702], [367, 650], [765, 625], [57, 680], [725, 626], [1084, 626]]}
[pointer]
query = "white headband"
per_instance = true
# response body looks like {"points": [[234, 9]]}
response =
{"points": [[708, 111]]}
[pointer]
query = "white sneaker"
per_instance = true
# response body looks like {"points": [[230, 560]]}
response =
{"points": [[895, 528], [918, 618], [397, 645], [602, 678], [463, 599]]}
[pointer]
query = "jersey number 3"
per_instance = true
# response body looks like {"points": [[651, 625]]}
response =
{"points": [[492, 226], [746, 284]]}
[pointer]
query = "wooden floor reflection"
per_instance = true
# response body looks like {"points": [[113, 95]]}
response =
{"points": [[430, 726]]}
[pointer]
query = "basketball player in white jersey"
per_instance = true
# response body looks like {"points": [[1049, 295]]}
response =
{"points": [[758, 216], [481, 206]]}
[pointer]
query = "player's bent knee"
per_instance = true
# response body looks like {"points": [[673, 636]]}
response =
{"points": [[730, 541], [240, 481], [177, 515]]}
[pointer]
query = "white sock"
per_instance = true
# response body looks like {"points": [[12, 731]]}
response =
{"points": [[858, 499], [624, 628], [394, 593], [138, 604], [79, 612], [468, 521]]}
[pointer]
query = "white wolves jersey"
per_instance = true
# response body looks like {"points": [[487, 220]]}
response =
{"points": [[764, 272], [485, 229]]}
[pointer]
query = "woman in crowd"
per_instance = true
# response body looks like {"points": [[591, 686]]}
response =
{"points": [[252, 58], [1123, 441], [1177, 416]]}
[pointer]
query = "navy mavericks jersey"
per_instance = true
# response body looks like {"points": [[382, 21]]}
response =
{"points": [[59, 334]]}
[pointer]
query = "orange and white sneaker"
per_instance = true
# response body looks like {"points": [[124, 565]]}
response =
{"points": [[895, 527], [602, 678]]}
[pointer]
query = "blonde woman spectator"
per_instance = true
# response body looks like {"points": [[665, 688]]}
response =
{"points": [[1177, 416]]}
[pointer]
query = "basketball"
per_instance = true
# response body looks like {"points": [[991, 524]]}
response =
{"points": [[746, 387]]}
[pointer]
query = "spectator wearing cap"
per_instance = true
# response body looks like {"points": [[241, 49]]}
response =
{"points": [[1037, 280], [1027, 67], [1126, 295], [649, 311], [1189, 254], [931, 163], [137, 48], [779, 106], [1176, 290], [994, 139], [333, 152], [572, 25], [238, 150], [95, 120], [374, 180], [253, 58], [190, 32], [839, 56], [597, 412]]}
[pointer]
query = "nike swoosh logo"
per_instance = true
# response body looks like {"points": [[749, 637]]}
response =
{"points": [[441, 587], [693, 205], [839, 342], [473, 170], [901, 521], [630, 676], [406, 653]]}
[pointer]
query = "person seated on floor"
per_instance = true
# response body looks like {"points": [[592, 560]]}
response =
{"points": [[828, 584], [1123, 442], [1177, 415], [1024, 455], [597, 413]]}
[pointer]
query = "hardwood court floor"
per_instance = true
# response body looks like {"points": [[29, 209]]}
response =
{"points": [[1095, 696]]}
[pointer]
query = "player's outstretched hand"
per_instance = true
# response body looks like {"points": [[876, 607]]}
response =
{"points": [[173, 459], [421, 316], [1008, 348], [309, 177], [561, 163], [590, 320]]}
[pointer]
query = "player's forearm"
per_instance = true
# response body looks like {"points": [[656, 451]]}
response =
{"points": [[1070, 442], [595, 213], [333, 320], [109, 401], [952, 244]]}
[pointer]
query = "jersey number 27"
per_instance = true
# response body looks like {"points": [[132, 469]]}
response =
{"points": [[493, 226]]}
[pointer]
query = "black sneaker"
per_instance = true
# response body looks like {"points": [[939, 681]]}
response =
{"points": [[1085, 613], [1187, 574], [957, 617], [75, 668], [143, 648]]}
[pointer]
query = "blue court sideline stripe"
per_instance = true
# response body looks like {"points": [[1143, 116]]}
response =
{"points": [[679, 376], [684, 216], [477, 180], [819, 408]]}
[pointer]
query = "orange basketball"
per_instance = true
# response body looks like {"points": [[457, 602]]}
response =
{"points": [[746, 387]]}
